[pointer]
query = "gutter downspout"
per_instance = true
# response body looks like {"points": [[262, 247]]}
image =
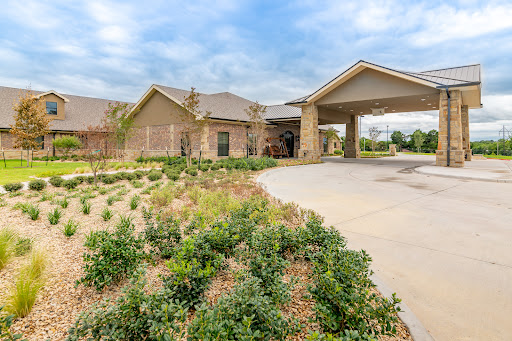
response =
{"points": [[449, 126]]}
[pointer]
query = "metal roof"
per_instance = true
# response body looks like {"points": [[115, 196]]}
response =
{"points": [[454, 76], [282, 111]]}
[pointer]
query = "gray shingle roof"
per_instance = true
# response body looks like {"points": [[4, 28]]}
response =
{"points": [[455, 76], [79, 111], [223, 105]]}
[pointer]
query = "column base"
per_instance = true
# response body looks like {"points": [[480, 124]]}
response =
{"points": [[309, 154], [456, 158], [352, 154], [468, 154]]}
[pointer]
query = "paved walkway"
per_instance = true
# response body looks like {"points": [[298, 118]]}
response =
{"points": [[443, 244]]}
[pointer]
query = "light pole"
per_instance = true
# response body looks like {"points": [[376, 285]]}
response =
{"points": [[387, 137]]}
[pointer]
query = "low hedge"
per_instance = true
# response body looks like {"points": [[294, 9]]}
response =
{"points": [[56, 181], [13, 186]]}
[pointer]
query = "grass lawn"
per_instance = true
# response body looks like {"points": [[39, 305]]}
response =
{"points": [[14, 173], [413, 153], [498, 157], [372, 154]]}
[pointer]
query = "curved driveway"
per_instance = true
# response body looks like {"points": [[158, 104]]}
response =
{"points": [[444, 245]]}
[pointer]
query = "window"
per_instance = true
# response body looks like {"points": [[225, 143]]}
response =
{"points": [[223, 144], [325, 145], [40, 140], [51, 108], [335, 146], [252, 144]]}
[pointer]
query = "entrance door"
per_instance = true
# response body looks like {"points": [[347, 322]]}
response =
{"points": [[288, 140]]}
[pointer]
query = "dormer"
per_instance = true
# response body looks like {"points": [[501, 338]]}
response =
{"points": [[55, 104]]}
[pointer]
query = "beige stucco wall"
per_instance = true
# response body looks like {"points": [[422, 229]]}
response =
{"points": [[158, 110], [61, 110], [370, 84]]}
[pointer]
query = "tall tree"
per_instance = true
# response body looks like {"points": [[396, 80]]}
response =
{"points": [[418, 137], [374, 136], [258, 126], [398, 138], [431, 139], [194, 124], [120, 124], [30, 122]]}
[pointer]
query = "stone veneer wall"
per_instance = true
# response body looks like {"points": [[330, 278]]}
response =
{"points": [[456, 148]]}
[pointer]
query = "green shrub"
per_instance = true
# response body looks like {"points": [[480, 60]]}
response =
{"points": [[216, 166], [37, 185], [249, 163], [172, 175], [33, 211], [204, 168], [344, 299], [7, 245], [56, 181], [45, 196], [23, 246], [155, 175], [70, 184], [54, 216], [70, 228], [135, 315], [338, 152], [108, 179], [6, 322], [162, 234], [139, 174], [13, 187], [113, 256], [90, 179], [134, 202], [137, 184], [190, 273], [64, 203], [107, 214], [191, 170], [86, 207], [81, 179], [244, 314]]}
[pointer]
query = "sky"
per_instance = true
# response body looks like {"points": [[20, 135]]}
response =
{"points": [[266, 51]]}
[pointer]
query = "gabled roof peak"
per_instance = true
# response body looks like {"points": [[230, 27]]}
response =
{"points": [[53, 92]]}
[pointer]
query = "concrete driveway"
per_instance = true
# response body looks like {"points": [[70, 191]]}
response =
{"points": [[444, 245]]}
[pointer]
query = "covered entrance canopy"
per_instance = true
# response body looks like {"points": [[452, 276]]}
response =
{"points": [[369, 89]]}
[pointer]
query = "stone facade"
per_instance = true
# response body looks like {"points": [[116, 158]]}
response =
{"points": [[456, 150], [468, 153], [352, 148], [309, 135], [392, 149]]}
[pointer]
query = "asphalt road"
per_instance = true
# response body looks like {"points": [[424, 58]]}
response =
{"points": [[444, 245]]}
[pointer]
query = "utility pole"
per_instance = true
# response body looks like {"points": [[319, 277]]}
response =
{"points": [[503, 130]]}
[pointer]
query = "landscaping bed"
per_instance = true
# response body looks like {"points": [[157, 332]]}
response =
{"points": [[202, 253]]}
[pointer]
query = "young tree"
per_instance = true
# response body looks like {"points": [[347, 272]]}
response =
{"points": [[120, 124], [96, 147], [431, 139], [194, 123], [258, 127], [30, 122], [398, 138], [374, 136], [418, 138], [67, 143]]}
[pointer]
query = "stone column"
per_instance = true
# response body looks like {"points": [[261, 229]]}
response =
{"points": [[456, 146], [309, 148], [352, 148], [392, 149], [205, 143], [465, 133]]}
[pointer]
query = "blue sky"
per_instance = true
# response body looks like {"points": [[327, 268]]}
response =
{"points": [[270, 51]]}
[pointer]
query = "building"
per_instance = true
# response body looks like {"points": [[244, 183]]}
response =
{"points": [[159, 128]]}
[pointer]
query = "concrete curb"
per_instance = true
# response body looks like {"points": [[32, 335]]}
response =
{"points": [[423, 171], [416, 329]]}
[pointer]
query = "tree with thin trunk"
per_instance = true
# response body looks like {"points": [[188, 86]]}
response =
{"points": [[30, 122], [120, 124], [374, 136], [67, 144], [418, 138], [258, 127], [331, 135], [96, 146], [194, 122]]}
